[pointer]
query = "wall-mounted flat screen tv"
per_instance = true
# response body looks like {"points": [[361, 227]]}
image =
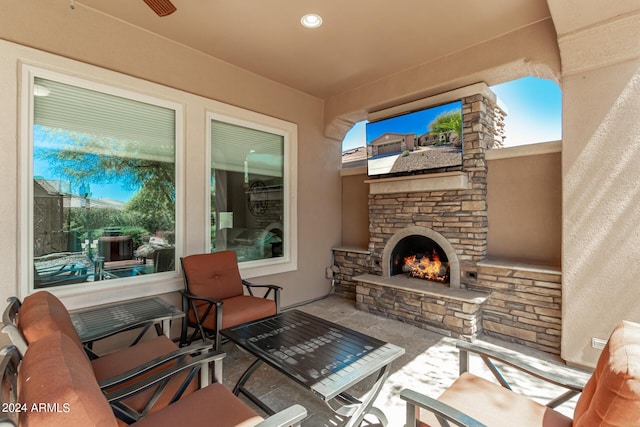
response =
{"points": [[423, 141]]}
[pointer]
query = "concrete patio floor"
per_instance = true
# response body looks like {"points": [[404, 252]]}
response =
{"points": [[429, 365]]}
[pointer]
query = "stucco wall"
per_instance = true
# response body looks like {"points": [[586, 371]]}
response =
{"points": [[524, 197], [355, 211], [601, 205], [93, 38], [600, 51]]}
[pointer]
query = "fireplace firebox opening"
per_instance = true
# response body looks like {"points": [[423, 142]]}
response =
{"points": [[420, 257], [429, 248]]}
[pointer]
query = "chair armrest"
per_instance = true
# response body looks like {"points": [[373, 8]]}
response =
{"points": [[562, 376], [16, 337], [210, 300], [197, 347], [291, 416], [441, 410], [276, 291], [253, 285], [164, 374], [11, 311]]}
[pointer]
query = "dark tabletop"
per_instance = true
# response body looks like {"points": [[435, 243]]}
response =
{"points": [[321, 355]]}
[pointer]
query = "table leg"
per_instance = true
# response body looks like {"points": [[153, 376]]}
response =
{"points": [[217, 370], [379, 415], [166, 327], [240, 388], [205, 375], [366, 405]]}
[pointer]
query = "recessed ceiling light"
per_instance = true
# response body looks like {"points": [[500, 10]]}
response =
{"points": [[311, 20]]}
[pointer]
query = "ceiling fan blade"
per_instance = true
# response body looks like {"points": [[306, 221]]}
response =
{"points": [[161, 7]]}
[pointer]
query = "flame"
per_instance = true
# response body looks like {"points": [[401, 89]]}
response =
{"points": [[426, 268]]}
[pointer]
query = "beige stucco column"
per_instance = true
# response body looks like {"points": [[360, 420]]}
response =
{"points": [[601, 172]]}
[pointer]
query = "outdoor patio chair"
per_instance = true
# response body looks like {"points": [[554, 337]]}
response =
{"points": [[60, 276], [164, 260], [61, 268], [54, 386], [610, 396], [42, 314], [214, 297]]}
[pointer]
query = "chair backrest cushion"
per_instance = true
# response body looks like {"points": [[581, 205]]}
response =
{"points": [[213, 275], [57, 387], [612, 394], [42, 314]]}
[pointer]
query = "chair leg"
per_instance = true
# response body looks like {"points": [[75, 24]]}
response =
{"points": [[185, 322], [463, 361], [411, 415], [276, 298], [218, 326]]}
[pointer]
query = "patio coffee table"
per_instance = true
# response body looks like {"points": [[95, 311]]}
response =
{"points": [[323, 357]]}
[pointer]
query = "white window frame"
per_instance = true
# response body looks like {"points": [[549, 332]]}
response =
{"points": [[289, 132], [113, 289]]}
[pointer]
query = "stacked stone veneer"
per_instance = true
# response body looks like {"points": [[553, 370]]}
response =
{"points": [[522, 304], [519, 305], [525, 304], [448, 311], [349, 263]]}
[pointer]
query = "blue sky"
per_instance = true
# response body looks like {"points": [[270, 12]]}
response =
{"points": [[115, 191], [534, 113]]}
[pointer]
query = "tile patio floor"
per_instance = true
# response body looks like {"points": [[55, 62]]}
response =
{"points": [[429, 365]]}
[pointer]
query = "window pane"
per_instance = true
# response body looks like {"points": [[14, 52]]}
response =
{"points": [[104, 186], [247, 205]]}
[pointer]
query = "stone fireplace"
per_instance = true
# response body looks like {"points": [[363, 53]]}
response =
{"points": [[429, 231], [447, 211]]}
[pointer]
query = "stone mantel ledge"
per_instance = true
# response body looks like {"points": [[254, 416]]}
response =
{"points": [[419, 183], [352, 249], [511, 265], [432, 289]]}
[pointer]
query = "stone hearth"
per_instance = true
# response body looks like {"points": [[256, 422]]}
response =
{"points": [[448, 311]]}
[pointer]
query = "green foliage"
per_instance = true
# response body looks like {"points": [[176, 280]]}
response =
{"points": [[90, 224], [150, 210], [138, 234], [93, 159], [447, 122], [405, 153], [96, 219]]}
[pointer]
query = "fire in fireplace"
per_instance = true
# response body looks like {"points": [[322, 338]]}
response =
{"points": [[426, 267], [420, 257]]}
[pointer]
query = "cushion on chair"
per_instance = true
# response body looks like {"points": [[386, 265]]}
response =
{"points": [[55, 372], [42, 314], [214, 275], [210, 406], [237, 310], [612, 394], [128, 358], [494, 405]]}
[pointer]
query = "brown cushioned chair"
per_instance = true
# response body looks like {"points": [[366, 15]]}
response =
{"points": [[54, 386], [611, 396], [43, 314], [214, 297]]}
